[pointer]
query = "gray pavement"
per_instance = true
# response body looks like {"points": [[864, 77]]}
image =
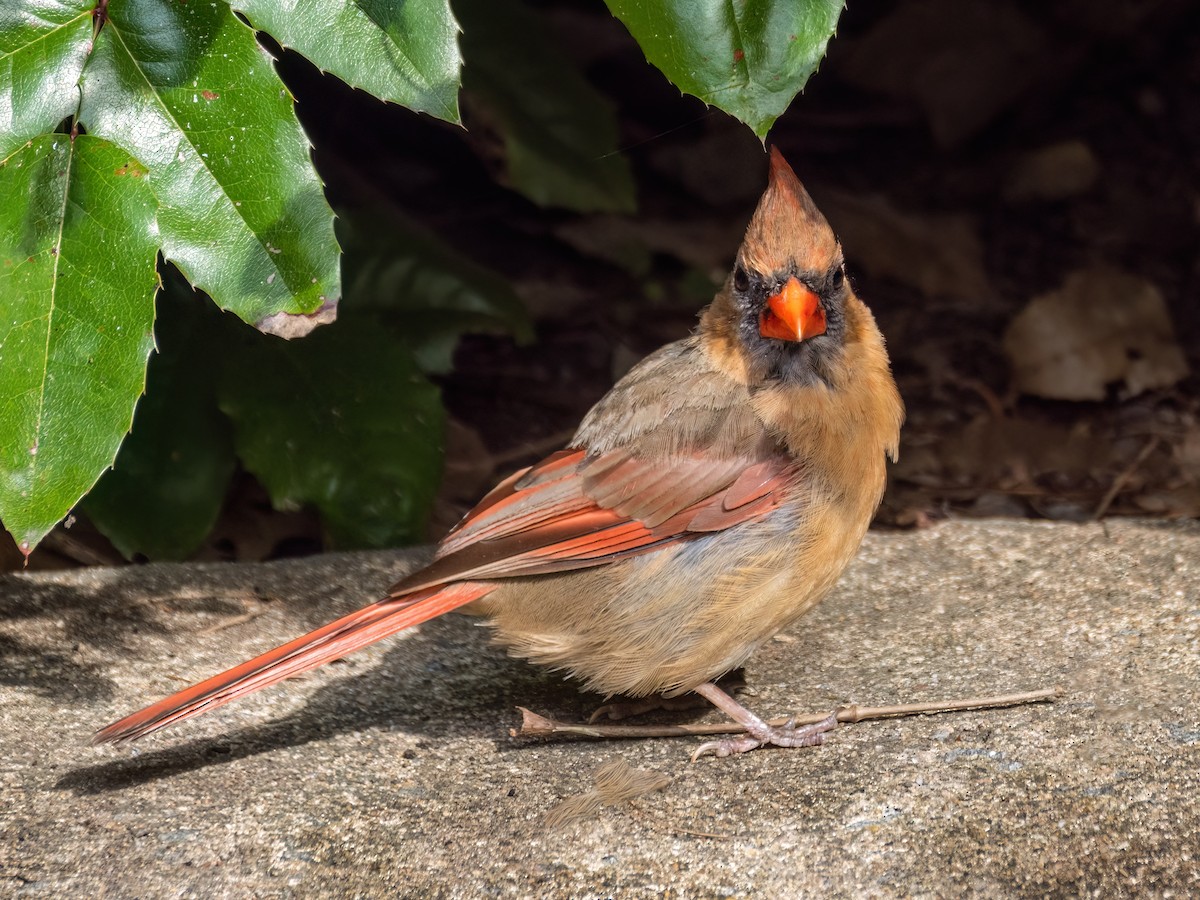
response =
{"points": [[392, 774]]}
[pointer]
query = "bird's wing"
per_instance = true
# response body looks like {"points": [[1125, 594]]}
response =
{"points": [[581, 507]]}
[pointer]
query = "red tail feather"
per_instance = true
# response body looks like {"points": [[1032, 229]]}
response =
{"points": [[332, 641]]}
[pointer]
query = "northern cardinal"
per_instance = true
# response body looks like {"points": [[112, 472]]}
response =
{"points": [[712, 497]]}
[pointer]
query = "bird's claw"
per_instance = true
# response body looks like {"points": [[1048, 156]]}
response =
{"points": [[726, 747], [787, 735]]}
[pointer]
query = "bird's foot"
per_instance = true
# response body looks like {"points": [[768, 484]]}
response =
{"points": [[783, 736], [758, 732]]}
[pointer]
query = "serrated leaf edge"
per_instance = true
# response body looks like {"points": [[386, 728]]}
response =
{"points": [[448, 113], [225, 198]]}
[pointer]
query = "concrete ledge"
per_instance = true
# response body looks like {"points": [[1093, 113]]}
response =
{"points": [[392, 774]]}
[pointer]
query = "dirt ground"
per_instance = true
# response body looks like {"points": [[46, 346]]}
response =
{"points": [[973, 157]]}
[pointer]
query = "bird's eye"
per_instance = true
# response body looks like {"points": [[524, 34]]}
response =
{"points": [[838, 278], [741, 281]]}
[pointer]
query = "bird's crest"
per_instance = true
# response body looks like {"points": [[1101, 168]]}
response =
{"points": [[787, 228]]}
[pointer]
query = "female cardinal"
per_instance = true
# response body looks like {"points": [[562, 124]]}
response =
{"points": [[713, 496]]}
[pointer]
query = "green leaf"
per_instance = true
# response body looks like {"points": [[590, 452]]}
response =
{"points": [[77, 283], [405, 52], [186, 87], [746, 57], [165, 492], [560, 135], [427, 293], [342, 420], [42, 52]]}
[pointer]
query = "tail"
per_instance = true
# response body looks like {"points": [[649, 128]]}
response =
{"points": [[330, 642]]}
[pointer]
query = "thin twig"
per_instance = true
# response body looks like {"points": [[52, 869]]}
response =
{"points": [[534, 725], [994, 404], [232, 621], [1119, 481], [668, 827]]}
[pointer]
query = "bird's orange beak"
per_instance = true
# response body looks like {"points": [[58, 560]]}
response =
{"points": [[794, 314]]}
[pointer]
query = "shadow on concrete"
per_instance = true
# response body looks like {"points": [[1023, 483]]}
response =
{"points": [[419, 687]]}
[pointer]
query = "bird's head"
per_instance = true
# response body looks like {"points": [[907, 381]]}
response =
{"points": [[785, 305], [788, 326]]}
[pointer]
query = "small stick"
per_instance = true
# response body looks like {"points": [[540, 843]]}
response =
{"points": [[534, 725], [1119, 481], [232, 621], [994, 404]]}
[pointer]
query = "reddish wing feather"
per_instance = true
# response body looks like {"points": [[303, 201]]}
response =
{"points": [[571, 511], [753, 483]]}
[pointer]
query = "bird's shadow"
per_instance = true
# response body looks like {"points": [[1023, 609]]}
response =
{"points": [[444, 682]]}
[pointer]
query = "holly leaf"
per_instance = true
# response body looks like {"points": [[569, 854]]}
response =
{"points": [[189, 91], [747, 58], [344, 421], [226, 190], [403, 52], [77, 246]]}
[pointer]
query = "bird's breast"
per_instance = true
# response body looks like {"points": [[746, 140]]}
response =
{"points": [[685, 613]]}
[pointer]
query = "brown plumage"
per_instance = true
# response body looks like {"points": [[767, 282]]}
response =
{"points": [[712, 497]]}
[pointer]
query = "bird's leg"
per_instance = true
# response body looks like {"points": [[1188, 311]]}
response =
{"points": [[758, 732], [733, 682], [617, 710]]}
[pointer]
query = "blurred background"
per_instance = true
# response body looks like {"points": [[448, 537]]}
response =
{"points": [[1017, 188]]}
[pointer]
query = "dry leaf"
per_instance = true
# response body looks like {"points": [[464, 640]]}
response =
{"points": [[1177, 504], [1187, 451], [722, 166], [468, 473], [962, 61], [1108, 18], [993, 505], [1016, 453], [938, 254], [705, 244], [1103, 326], [1062, 170], [611, 238]]}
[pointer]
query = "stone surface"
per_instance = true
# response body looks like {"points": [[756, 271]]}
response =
{"points": [[392, 774]]}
